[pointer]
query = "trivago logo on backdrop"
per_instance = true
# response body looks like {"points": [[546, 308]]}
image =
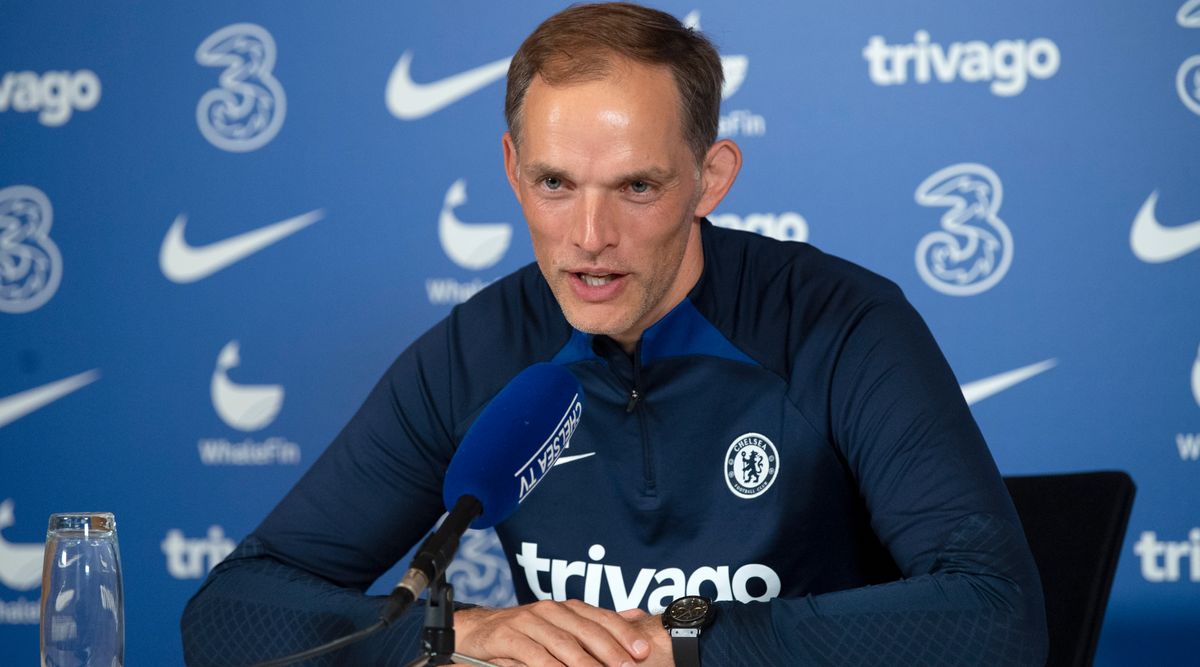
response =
{"points": [[20, 572], [195, 557], [1006, 65], [54, 95], [786, 226], [249, 408], [1164, 561]]}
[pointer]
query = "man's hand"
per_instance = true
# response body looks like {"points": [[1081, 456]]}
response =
{"points": [[660, 640], [558, 634]]}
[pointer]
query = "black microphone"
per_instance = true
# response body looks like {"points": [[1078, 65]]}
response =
{"points": [[506, 452]]}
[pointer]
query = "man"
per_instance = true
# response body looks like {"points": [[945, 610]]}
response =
{"points": [[771, 426]]}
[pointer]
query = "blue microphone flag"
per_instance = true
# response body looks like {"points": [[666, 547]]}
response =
{"points": [[515, 441]]}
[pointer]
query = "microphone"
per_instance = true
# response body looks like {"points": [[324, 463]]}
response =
{"points": [[511, 446], [513, 443]]}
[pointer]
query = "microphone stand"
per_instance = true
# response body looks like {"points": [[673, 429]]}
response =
{"points": [[437, 638]]}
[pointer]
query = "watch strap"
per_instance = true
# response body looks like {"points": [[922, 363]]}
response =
{"points": [[685, 646]]}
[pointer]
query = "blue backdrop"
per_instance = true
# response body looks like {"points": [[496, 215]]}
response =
{"points": [[220, 222]]}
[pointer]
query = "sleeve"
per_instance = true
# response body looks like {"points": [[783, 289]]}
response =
{"points": [[970, 593], [299, 579]]}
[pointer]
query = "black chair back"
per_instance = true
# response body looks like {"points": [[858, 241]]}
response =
{"points": [[1075, 524]]}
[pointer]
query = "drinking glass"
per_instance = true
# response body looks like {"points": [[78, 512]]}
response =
{"points": [[83, 610]]}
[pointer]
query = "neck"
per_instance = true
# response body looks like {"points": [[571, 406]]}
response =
{"points": [[690, 270]]}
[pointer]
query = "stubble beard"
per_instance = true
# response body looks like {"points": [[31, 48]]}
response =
{"points": [[650, 295]]}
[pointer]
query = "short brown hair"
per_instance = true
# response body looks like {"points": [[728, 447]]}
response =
{"points": [[578, 44]]}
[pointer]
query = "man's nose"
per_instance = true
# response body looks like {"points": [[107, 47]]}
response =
{"points": [[595, 229]]}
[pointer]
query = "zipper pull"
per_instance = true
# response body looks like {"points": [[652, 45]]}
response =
{"points": [[634, 397]]}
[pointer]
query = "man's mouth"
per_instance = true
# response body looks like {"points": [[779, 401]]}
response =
{"points": [[593, 280]]}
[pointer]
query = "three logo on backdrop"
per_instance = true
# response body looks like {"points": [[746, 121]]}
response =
{"points": [[1187, 79], [31, 267], [55, 96], [408, 100], [247, 408], [1006, 66], [973, 249], [247, 110]]}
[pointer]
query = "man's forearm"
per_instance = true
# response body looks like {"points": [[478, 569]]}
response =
{"points": [[960, 614], [254, 608]]}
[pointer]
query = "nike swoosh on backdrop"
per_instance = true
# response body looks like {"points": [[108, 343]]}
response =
{"points": [[409, 100], [16, 406], [1152, 242], [978, 390], [182, 263], [567, 459]]}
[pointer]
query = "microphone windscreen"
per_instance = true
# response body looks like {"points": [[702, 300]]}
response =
{"points": [[515, 441]]}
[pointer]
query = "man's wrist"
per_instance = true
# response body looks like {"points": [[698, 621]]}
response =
{"points": [[660, 641]]}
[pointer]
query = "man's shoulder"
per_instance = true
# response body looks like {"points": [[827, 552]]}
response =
{"points": [[505, 327], [523, 291], [780, 301], [752, 266]]}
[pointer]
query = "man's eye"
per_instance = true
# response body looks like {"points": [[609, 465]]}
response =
{"points": [[639, 187], [551, 183]]}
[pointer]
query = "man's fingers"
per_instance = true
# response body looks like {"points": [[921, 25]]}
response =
{"points": [[628, 635], [573, 639], [534, 642], [633, 614], [554, 634]]}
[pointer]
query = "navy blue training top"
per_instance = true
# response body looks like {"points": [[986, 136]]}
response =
{"points": [[788, 440]]}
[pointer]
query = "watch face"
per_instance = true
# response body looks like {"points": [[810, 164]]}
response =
{"points": [[688, 612]]}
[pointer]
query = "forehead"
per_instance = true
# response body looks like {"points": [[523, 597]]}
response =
{"points": [[633, 108]]}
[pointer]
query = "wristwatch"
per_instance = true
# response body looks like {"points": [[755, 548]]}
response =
{"points": [[684, 619]]}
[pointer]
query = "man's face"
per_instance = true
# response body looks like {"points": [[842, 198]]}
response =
{"points": [[610, 191]]}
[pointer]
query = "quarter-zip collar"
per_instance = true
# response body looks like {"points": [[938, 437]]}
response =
{"points": [[683, 331]]}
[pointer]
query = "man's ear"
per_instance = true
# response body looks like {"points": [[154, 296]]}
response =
{"points": [[510, 163], [720, 169]]}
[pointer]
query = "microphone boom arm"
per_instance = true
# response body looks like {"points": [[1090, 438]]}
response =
{"points": [[432, 558]]}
